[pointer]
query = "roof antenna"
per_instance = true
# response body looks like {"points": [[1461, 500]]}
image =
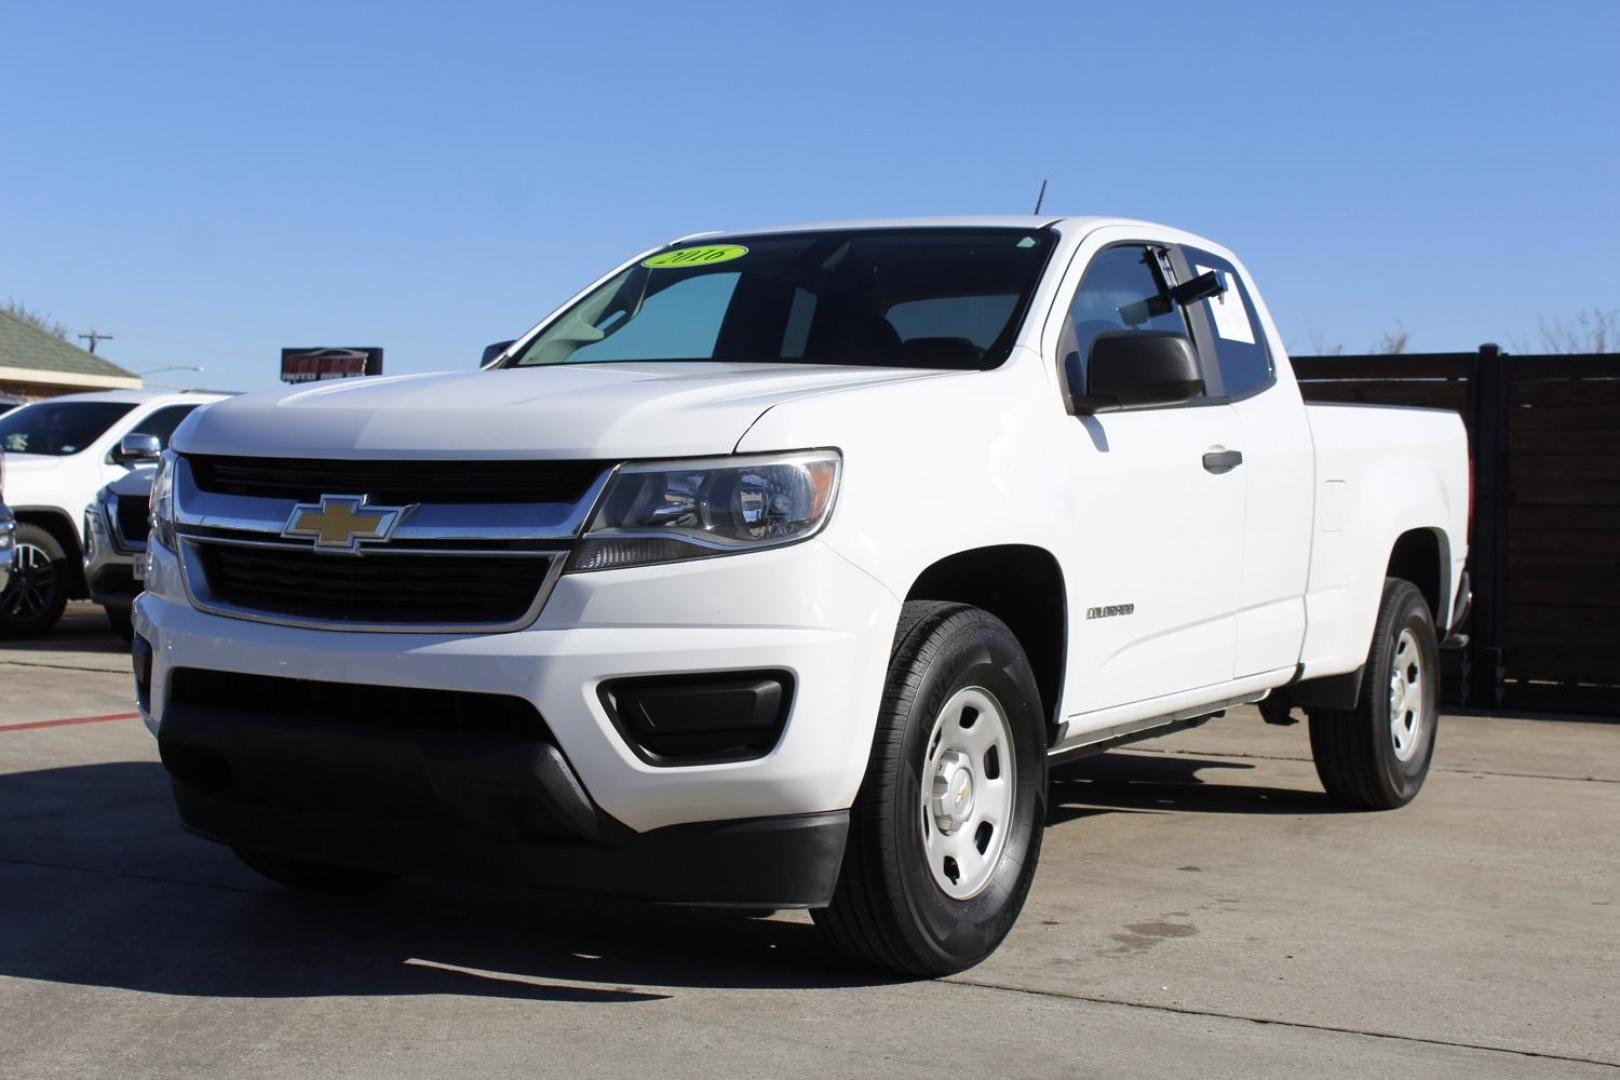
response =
{"points": [[1040, 198]]}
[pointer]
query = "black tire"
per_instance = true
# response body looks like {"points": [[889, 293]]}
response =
{"points": [[888, 911], [1355, 749], [37, 594], [305, 876], [121, 624]]}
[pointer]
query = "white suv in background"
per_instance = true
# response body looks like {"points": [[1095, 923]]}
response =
{"points": [[59, 453], [8, 527]]}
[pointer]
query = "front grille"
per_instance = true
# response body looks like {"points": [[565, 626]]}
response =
{"points": [[394, 707], [397, 482], [437, 590], [133, 523]]}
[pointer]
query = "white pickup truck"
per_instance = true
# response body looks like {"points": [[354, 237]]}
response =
{"points": [[776, 568]]}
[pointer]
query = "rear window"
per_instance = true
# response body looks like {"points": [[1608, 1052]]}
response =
{"points": [[58, 428]]}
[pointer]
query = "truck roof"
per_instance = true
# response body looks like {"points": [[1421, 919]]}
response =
{"points": [[1070, 225], [1003, 221]]}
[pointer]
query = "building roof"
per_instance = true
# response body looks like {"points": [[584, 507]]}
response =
{"points": [[30, 355]]}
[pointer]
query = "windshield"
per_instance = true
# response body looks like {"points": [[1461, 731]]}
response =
{"points": [[924, 298], [58, 428]]}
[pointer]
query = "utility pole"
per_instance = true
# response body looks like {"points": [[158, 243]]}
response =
{"points": [[94, 336]]}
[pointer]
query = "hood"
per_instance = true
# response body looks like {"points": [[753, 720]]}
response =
{"points": [[564, 411], [135, 484]]}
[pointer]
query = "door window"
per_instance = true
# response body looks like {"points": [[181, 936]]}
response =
{"points": [[163, 422], [1240, 343], [1125, 289]]}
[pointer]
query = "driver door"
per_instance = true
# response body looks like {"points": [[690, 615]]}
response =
{"points": [[1158, 541]]}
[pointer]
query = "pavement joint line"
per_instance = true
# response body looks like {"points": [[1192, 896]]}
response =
{"points": [[66, 667], [1434, 768], [130, 876], [985, 984]]}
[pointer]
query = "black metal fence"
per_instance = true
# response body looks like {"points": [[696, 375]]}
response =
{"points": [[1544, 435]]}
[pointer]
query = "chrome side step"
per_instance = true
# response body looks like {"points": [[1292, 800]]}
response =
{"points": [[1151, 727]]}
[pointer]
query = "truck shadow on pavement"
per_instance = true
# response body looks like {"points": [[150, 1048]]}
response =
{"points": [[1143, 782], [83, 630], [99, 886]]}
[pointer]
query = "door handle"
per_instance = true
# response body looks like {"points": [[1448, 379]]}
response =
{"points": [[1222, 461]]}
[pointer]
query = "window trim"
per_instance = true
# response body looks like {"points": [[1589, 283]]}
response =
{"points": [[1207, 341], [1065, 307]]}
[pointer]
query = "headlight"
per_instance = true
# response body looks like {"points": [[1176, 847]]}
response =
{"points": [[665, 511], [162, 501]]}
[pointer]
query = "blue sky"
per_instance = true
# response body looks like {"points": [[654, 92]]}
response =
{"points": [[210, 182]]}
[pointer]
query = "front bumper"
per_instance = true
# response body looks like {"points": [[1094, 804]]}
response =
{"points": [[109, 563], [802, 609]]}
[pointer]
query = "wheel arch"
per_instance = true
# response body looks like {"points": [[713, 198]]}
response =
{"points": [[1023, 586], [1422, 556]]}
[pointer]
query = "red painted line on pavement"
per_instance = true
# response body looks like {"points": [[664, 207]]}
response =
{"points": [[32, 724]]}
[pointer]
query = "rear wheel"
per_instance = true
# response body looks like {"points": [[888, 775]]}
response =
{"points": [[37, 594], [946, 830], [303, 875], [1376, 756]]}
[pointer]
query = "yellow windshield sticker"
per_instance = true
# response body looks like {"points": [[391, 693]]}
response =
{"points": [[707, 255]]}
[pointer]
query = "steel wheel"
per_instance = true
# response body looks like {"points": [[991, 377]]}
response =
{"points": [[945, 833], [33, 583], [967, 792], [1376, 754], [1406, 694]]}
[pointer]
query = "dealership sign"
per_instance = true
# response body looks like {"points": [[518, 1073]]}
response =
{"points": [[313, 365]]}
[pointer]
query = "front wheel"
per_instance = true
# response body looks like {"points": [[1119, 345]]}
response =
{"points": [[1376, 756], [37, 595], [946, 830]]}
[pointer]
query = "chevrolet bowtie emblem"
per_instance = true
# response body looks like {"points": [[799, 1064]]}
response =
{"points": [[342, 522]]}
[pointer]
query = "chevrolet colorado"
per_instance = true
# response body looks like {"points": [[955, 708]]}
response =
{"points": [[776, 568]]}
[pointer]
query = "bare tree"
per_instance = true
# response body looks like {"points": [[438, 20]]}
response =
{"points": [[1320, 346], [1595, 331], [37, 319], [1394, 342]]}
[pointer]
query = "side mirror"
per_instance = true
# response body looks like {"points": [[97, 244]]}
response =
{"points": [[1131, 369], [492, 351], [138, 446]]}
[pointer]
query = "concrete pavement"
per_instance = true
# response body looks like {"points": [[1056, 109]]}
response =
{"points": [[1201, 910]]}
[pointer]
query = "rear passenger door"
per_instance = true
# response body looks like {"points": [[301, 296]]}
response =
{"points": [[1278, 466], [1153, 581]]}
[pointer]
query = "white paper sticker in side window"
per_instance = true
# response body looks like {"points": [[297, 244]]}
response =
{"points": [[1227, 309]]}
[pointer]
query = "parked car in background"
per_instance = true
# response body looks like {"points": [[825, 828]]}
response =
{"points": [[8, 527], [60, 453], [775, 569], [115, 528]]}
